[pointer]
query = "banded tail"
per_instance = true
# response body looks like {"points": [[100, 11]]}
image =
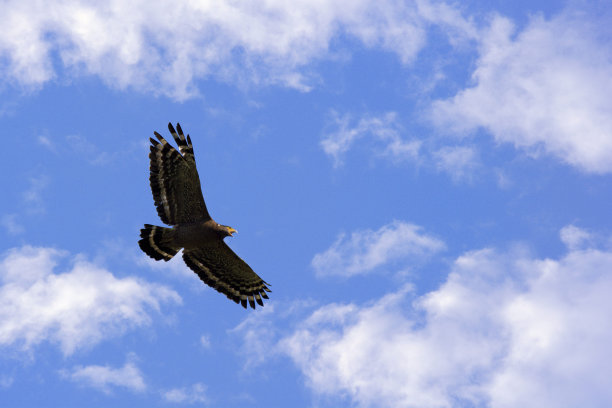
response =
{"points": [[157, 242]]}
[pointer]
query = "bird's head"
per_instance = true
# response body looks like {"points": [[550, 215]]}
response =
{"points": [[227, 231]]}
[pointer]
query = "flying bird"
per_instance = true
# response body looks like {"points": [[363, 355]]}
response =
{"points": [[178, 197]]}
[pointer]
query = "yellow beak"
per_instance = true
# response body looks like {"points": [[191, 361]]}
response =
{"points": [[231, 231]]}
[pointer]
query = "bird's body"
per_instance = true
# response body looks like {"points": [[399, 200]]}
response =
{"points": [[178, 197], [196, 234]]}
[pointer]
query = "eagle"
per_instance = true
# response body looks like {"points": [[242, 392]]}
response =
{"points": [[179, 201]]}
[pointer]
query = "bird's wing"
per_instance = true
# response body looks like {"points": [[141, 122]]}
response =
{"points": [[219, 267], [174, 180]]}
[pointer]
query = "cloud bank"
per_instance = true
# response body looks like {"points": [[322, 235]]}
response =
{"points": [[74, 308], [505, 330], [164, 48], [544, 89]]}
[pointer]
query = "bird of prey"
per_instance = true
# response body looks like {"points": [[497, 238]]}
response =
{"points": [[178, 197]]}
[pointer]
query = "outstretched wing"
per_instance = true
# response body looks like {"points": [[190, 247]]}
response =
{"points": [[219, 267], [174, 180]]}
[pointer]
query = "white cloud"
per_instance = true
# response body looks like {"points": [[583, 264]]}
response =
{"points": [[187, 395], [574, 237], [364, 251], [205, 341], [544, 89], [382, 137], [13, 227], [458, 161], [258, 334], [163, 48], [6, 381], [33, 195], [504, 330], [105, 377], [45, 141], [175, 266], [75, 308], [85, 149], [384, 130]]}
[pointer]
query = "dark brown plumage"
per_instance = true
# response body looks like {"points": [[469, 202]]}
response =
{"points": [[179, 201]]}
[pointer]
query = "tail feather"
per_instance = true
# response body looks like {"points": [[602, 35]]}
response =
{"points": [[157, 242]]}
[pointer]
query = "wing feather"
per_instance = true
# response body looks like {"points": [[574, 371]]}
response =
{"points": [[220, 268], [174, 180], [185, 146]]}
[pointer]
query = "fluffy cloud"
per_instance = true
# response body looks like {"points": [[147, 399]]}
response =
{"points": [[75, 308], [364, 251], [383, 130], [163, 47], [105, 377], [544, 89], [505, 330]]}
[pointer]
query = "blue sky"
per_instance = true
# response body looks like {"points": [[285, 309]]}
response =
{"points": [[426, 185]]}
